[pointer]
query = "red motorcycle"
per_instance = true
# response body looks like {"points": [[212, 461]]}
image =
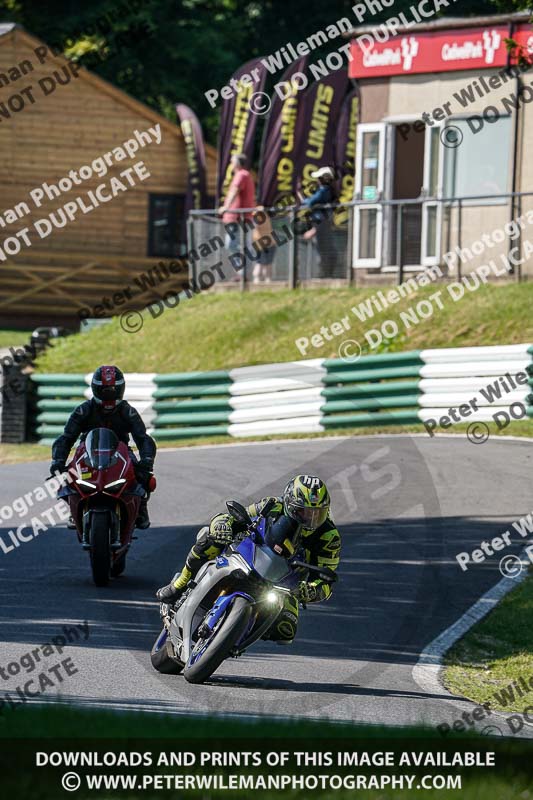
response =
{"points": [[104, 498]]}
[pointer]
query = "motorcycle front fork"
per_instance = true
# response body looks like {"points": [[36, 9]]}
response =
{"points": [[114, 540]]}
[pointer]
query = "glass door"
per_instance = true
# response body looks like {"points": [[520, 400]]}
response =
{"points": [[369, 181], [432, 190]]}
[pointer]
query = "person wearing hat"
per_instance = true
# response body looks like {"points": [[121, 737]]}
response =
{"points": [[323, 195]]}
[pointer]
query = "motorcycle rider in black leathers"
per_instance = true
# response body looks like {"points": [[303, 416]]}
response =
{"points": [[108, 409], [306, 502]]}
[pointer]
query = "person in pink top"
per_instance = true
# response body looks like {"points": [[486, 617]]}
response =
{"points": [[241, 194]]}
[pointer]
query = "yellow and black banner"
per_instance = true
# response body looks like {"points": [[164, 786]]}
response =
{"points": [[238, 119], [195, 152]]}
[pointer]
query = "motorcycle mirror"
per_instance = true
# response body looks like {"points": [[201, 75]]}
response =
{"points": [[325, 573], [238, 511], [329, 574]]}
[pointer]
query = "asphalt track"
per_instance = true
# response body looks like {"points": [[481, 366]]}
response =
{"points": [[405, 506]]}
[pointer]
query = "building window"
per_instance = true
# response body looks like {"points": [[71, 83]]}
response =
{"points": [[480, 164], [167, 234]]}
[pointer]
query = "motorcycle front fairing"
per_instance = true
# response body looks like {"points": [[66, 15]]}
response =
{"points": [[103, 481], [199, 602], [249, 562]]}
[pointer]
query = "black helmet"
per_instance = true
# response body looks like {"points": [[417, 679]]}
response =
{"points": [[108, 386], [306, 500], [283, 536]]}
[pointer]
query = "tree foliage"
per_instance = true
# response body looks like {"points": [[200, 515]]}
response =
{"points": [[165, 51]]}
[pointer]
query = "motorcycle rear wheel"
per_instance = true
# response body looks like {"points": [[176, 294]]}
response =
{"points": [[222, 642], [163, 658], [100, 552]]}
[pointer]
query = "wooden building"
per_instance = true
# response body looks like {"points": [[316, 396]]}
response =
{"points": [[55, 118]]}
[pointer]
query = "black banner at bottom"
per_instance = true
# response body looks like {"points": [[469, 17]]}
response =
{"points": [[220, 767]]}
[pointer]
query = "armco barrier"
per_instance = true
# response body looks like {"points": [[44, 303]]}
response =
{"points": [[58, 395], [306, 396]]}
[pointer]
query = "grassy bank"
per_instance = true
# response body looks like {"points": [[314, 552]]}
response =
{"points": [[496, 652], [233, 329]]}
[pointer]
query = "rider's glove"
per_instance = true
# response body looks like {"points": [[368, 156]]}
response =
{"points": [[307, 592], [57, 466], [143, 470], [220, 531]]}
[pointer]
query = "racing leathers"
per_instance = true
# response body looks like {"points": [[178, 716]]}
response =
{"points": [[320, 547], [123, 421]]}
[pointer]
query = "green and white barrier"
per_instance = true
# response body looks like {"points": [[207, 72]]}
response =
{"points": [[483, 377], [307, 396], [58, 395]]}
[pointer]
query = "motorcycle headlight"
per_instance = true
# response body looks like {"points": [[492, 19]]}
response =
{"points": [[114, 486], [271, 597], [86, 484]]}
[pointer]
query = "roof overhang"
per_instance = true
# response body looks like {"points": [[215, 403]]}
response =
{"points": [[448, 23], [6, 27]]}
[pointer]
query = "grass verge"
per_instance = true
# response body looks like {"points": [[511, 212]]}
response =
{"points": [[233, 329], [19, 453], [497, 652], [9, 338]]}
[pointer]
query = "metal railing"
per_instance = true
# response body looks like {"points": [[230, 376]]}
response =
{"points": [[296, 259], [511, 209], [306, 252]]}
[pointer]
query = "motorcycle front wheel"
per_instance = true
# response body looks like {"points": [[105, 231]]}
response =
{"points": [[100, 552], [118, 566], [208, 654]]}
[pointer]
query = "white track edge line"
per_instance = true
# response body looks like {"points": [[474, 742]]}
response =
{"points": [[306, 440], [311, 438], [151, 707], [428, 670]]}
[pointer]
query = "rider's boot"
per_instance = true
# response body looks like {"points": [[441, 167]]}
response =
{"points": [[176, 587], [143, 520]]}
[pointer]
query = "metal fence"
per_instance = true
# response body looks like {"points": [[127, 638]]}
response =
{"points": [[303, 251], [341, 243]]}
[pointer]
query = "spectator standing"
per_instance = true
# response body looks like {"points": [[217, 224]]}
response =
{"points": [[241, 194], [323, 195], [264, 246]]}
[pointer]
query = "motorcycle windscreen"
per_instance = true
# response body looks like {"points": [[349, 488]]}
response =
{"points": [[270, 566], [101, 448]]}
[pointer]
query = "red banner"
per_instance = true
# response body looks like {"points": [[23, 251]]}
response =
{"points": [[442, 51]]}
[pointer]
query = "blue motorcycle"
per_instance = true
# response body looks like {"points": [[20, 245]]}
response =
{"points": [[234, 600]]}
